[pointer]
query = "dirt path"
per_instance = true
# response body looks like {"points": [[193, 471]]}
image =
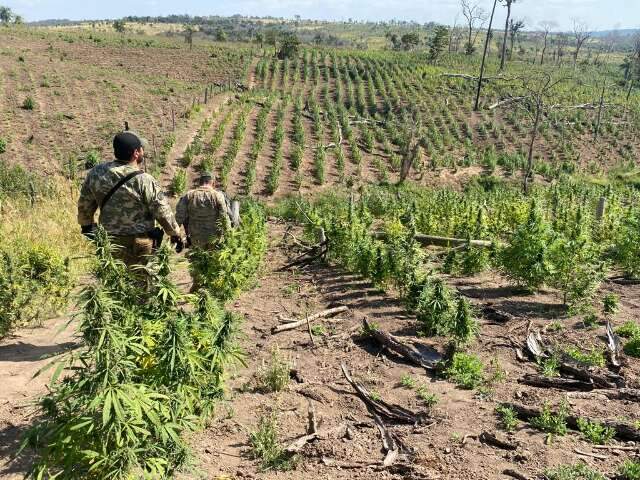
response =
{"points": [[21, 356]]}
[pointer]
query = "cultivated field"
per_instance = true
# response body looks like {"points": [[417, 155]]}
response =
{"points": [[487, 321]]}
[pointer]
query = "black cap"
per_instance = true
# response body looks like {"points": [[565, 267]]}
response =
{"points": [[125, 143], [206, 177]]}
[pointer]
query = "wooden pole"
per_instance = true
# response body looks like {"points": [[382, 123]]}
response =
{"points": [[601, 208], [597, 130]]}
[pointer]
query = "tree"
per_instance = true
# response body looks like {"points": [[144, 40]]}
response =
{"points": [[410, 40], [437, 43], [6, 15], [474, 15], [514, 30], [507, 3], [188, 35], [220, 35], [119, 26], [18, 20], [260, 39], [581, 34], [271, 38], [289, 46], [546, 28]]}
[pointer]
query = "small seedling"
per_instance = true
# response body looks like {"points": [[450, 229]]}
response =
{"points": [[595, 432], [590, 321], [430, 399], [611, 304], [375, 396], [319, 330], [266, 447], [508, 418], [466, 370], [29, 103], [594, 357], [550, 422], [550, 367], [275, 376], [556, 326], [407, 381]]}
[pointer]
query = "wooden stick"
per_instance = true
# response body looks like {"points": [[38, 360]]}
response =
{"points": [[438, 241], [615, 447], [298, 323], [589, 454]]}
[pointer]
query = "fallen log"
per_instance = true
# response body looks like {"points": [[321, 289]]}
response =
{"points": [[291, 325], [408, 352], [600, 380], [555, 382], [426, 240], [629, 394], [387, 411], [500, 316], [622, 430], [514, 474], [489, 438]]}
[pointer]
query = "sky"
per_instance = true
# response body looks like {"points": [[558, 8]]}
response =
{"points": [[598, 14]]}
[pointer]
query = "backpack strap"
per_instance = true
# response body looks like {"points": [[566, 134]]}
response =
{"points": [[117, 186]]}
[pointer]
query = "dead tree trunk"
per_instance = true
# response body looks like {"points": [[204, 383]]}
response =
{"points": [[597, 130], [534, 133], [504, 37], [484, 56]]}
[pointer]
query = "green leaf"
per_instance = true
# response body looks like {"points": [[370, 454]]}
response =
{"points": [[106, 409]]}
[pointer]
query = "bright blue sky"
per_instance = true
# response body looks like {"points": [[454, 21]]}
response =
{"points": [[599, 14]]}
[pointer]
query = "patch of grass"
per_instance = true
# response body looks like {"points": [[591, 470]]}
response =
{"points": [[550, 422], [466, 370], [590, 321], [407, 381], [430, 399], [595, 432], [629, 470], [579, 471], [3, 144], [629, 329], [275, 376], [266, 447], [595, 357], [29, 103], [508, 418]]}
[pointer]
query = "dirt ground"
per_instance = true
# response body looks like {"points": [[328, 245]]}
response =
{"points": [[446, 447]]}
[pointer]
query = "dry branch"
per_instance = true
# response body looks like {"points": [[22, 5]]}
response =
{"points": [[499, 316], [615, 346], [622, 430], [491, 439], [506, 101], [408, 352], [426, 240], [387, 411], [293, 324], [559, 383]]}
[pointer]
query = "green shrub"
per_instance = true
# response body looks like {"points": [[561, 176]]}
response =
{"points": [[629, 470], [430, 399], [3, 145], [179, 183], [629, 329], [579, 471], [266, 447], [92, 159], [274, 376], [435, 308], [407, 381], [628, 244], [611, 303], [466, 370], [29, 103], [149, 369], [526, 258], [550, 422], [595, 357], [595, 432], [508, 417], [228, 268], [632, 347]]}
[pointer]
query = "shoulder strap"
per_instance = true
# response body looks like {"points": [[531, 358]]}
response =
{"points": [[117, 186]]}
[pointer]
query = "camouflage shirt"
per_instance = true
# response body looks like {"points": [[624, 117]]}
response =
{"points": [[133, 208], [201, 210]]}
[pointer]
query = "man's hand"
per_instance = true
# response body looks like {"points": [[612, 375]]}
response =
{"points": [[178, 242], [89, 231]]}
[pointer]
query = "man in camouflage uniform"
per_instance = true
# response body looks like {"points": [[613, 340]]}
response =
{"points": [[130, 202], [205, 215]]}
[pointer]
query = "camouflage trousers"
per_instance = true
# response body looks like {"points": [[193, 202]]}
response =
{"points": [[132, 249]]}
